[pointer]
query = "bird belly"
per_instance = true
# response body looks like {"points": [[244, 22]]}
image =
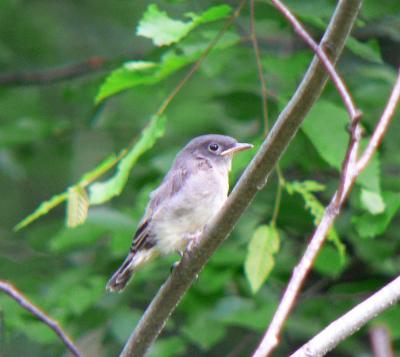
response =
{"points": [[188, 212]]}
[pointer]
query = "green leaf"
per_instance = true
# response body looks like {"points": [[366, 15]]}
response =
{"points": [[104, 191], [367, 51], [259, 261], [329, 262], [77, 206], [370, 225], [68, 239], [204, 331], [306, 189], [372, 201], [43, 208], [160, 28], [135, 73], [163, 31], [325, 126], [167, 347], [48, 205]]}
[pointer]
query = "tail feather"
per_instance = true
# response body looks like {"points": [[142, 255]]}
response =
{"points": [[121, 277], [132, 262]]}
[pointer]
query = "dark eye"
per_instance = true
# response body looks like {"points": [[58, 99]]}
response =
{"points": [[213, 147]]}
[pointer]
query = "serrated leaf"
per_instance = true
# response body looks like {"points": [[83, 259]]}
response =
{"points": [[369, 225], [372, 201], [43, 208], [135, 73], [163, 31], [259, 261], [101, 192], [305, 189], [77, 206], [88, 177]]}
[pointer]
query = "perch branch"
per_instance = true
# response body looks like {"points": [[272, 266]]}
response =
{"points": [[253, 179], [13, 292]]}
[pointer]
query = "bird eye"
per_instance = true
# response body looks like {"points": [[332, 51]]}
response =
{"points": [[213, 147]]}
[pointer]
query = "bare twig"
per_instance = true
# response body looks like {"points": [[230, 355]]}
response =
{"points": [[336, 79], [52, 75], [15, 294], [253, 179], [263, 84], [379, 336], [351, 170], [351, 322], [382, 126], [199, 62]]}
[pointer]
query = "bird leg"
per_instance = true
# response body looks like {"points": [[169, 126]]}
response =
{"points": [[193, 239]]}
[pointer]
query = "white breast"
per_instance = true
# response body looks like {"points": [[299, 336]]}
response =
{"points": [[189, 210]]}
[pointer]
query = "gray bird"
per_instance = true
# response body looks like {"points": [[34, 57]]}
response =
{"points": [[191, 193]]}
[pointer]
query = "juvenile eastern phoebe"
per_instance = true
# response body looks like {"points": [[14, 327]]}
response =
{"points": [[191, 193]]}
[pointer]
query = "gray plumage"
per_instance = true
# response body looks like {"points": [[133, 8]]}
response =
{"points": [[191, 193]]}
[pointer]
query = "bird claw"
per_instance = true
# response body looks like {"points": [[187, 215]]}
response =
{"points": [[174, 265]]}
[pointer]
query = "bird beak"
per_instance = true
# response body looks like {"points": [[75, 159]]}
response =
{"points": [[236, 148]]}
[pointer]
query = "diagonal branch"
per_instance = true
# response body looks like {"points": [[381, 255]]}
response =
{"points": [[351, 170], [253, 179], [351, 322], [319, 51], [13, 292]]}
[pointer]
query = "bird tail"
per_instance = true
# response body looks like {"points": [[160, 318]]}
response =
{"points": [[132, 262]]}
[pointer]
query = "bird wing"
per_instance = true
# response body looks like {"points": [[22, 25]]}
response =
{"points": [[168, 188]]}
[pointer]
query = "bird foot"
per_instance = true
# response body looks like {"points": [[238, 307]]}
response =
{"points": [[193, 239]]}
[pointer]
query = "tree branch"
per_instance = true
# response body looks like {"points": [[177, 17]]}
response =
{"points": [[52, 75], [319, 51], [379, 336], [351, 170], [351, 322], [253, 179], [13, 292]]}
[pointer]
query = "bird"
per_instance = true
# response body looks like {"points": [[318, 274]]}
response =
{"points": [[191, 193]]}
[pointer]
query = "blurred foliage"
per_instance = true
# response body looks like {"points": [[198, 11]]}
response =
{"points": [[78, 137]]}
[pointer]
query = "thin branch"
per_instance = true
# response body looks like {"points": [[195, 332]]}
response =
{"points": [[253, 179], [382, 126], [278, 198], [18, 296], [379, 336], [351, 170], [199, 62], [264, 93], [263, 84], [335, 77], [351, 322], [51, 75]]}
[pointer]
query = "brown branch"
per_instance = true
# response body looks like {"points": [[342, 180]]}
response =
{"points": [[253, 179], [19, 297], [263, 84], [382, 126], [351, 170], [57, 74], [351, 322], [380, 339], [335, 77]]}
